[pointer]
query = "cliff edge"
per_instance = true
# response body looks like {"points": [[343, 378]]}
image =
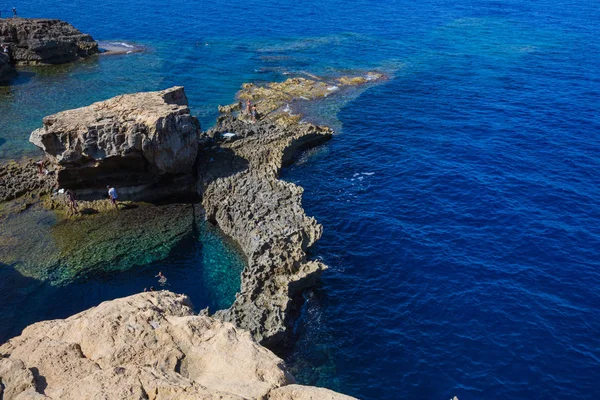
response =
{"points": [[7, 72], [145, 346]]}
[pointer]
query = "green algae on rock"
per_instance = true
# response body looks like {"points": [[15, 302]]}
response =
{"points": [[61, 249]]}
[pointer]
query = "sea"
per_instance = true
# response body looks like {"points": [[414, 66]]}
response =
{"points": [[459, 197]]}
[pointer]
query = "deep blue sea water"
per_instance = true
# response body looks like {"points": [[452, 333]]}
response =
{"points": [[459, 200]]}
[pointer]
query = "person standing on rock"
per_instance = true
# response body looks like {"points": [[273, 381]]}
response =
{"points": [[40, 167], [254, 113], [72, 201], [112, 194], [14, 12], [248, 107]]}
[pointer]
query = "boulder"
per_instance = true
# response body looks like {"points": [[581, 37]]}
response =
{"points": [[145, 346], [44, 41], [131, 140]]}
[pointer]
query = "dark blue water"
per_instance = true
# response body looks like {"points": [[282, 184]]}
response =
{"points": [[459, 201]]}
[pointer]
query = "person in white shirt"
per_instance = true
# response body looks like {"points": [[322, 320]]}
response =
{"points": [[112, 194]]}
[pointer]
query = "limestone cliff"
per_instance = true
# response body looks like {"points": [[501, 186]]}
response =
{"points": [[44, 41], [129, 141], [146, 346]]}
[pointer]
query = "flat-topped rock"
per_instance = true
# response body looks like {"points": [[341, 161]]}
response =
{"points": [[44, 41], [129, 140], [145, 346]]}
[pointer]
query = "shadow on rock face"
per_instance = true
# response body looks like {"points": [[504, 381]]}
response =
{"points": [[88, 211], [219, 162], [2, 141]]}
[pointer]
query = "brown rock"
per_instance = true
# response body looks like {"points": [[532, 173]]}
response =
{"points": [[145, 346], [128, 141], [298, 392], [44, 41]]}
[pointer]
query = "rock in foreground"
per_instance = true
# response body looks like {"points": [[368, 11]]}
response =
{"points": [[44, 41], [132, 141], [146, 346]]}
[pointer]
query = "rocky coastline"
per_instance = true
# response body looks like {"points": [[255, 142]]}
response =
{"points": [[151, 148]]}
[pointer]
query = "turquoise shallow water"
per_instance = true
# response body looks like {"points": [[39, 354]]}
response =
{"points": [[459, 201], [204, 265]]}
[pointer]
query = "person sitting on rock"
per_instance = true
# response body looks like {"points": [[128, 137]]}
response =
{"points": [[112, 194]]}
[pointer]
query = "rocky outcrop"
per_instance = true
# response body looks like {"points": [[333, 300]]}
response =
{"points": [[7, 72], [244, 197], [265, 217], [146, 346], [135, 141], [44, 41]]}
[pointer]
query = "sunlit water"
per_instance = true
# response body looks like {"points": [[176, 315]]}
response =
{"points": [[459, 199]]}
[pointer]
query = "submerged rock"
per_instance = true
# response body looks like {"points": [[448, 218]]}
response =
{"points": [[44, 41], [7, 72], [130, 141], [145, 346]]}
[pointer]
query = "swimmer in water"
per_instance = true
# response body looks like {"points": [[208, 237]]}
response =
{"points": [[162, 280]]}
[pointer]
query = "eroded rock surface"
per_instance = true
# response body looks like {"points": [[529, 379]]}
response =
{"points": [[145, 346], [242, 193], [134, 140], [44, 41], [21, 178], [299, 392]]}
